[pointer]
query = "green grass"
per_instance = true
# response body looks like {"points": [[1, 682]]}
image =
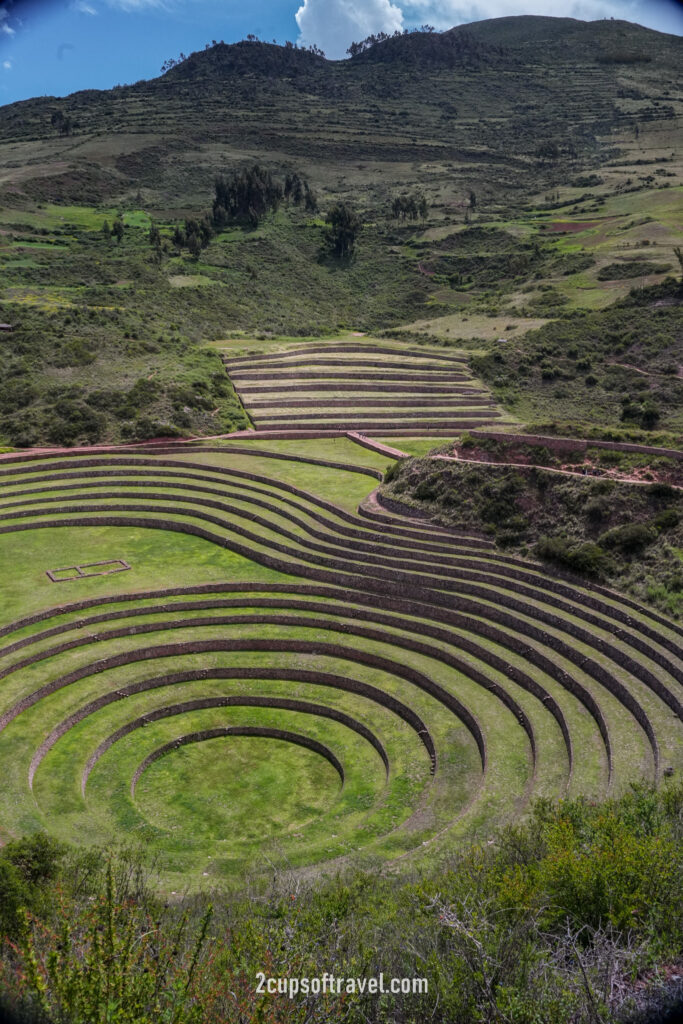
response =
{"points": [[413, 445], [244, 788], [334, 449]]}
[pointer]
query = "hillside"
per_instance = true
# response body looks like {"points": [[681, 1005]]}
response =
{"points": [[483, 94], [540, 147]]}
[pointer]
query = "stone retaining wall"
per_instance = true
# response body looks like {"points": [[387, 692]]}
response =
{"points": [[317, 649], [318, 349], [207, 703], [238, 730]]}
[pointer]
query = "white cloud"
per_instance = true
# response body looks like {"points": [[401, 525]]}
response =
{"points": [[335, 24], [446, 13], [7, 65], [136, 5], [84, 8], [7, 30]]}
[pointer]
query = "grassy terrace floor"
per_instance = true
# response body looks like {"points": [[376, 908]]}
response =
{"points": [[290, 673]]}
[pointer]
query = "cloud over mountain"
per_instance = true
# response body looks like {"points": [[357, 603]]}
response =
{"points": [[334, 24]]}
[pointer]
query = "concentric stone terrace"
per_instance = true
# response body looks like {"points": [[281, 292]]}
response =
{"points": [[368, 386], [284, 675]]}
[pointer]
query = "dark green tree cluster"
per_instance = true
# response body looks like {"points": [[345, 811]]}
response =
{"points": [[345, 226], [315, 50], [645, 413], [381, 37], [194, 235], [246, 197], [412, 207], [550, 151], [299, 192], [63, 124], [117, 229]]}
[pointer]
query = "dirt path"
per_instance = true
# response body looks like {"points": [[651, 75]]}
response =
{"points": [[646, 373], [626, 479]]}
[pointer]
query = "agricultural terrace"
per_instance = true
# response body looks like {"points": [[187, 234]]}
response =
{"points": [[361, 385], [274, 668]]}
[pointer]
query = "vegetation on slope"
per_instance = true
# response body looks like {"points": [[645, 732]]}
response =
{"points": [[630, 535], [612, 367], [94, 318], [563, 918], [83, 375], [475, 125]]}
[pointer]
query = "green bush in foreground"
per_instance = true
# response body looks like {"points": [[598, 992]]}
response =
{"points": [[574, 916]]}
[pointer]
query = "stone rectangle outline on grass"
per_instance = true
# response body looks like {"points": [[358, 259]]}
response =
{"points": [[123, 566]]}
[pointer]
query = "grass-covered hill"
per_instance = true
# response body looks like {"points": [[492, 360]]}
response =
{"points": [[485, 94], [534, 151]]}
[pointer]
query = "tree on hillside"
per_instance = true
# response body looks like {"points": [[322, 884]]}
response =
{"points": [[118, 230], [64, 125], [548, 152], [294, 188], [154, 238], [194, 234], [246, 197], [106, 230], [194, 245], [411, 207], [678, 252], [473, 200], [299, 191], [345, 226], [381, 37], [310, 200]]}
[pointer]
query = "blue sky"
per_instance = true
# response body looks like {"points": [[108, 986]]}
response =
{"points": [[54, 47]]}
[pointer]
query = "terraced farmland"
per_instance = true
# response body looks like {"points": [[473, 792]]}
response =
{"points": [[390, 389], [289, 670]]}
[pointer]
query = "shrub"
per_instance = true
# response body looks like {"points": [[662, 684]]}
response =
{"points": [[667, 519], [588, 558], [391, 471], [597, 509], [13, 896], [427, 489], [37, 858], [629, 538]]}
